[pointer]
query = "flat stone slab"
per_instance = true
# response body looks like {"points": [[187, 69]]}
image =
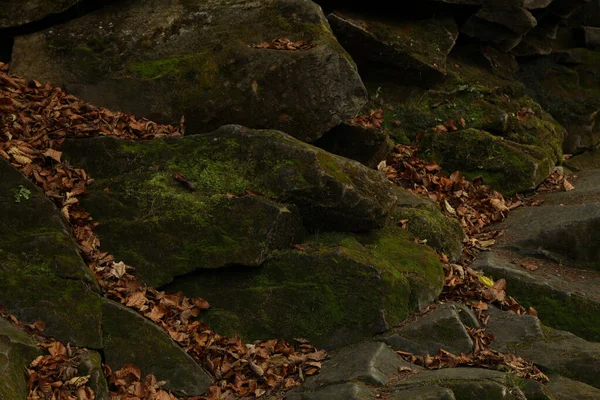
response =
{"points": [[565, 298], [373, 363], [510, 329], [439, 329], [566, 389]]}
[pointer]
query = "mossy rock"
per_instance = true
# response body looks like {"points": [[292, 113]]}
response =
{"points": [[130, 338], [571, 93], [162, 60], [165, 229], [406, 51], [13, 14], [342, 288], [17, 351], [426, 222], [42, 275], [507, 166]]}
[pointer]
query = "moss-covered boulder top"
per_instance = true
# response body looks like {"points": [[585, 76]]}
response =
{"points": [[15, 13], [339, 289], [198, 58], [248, 192]]}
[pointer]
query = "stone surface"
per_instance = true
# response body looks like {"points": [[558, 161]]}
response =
{"points": [[162, 60], [367, 145], [340, 289], [149, 220], [130, 338], [507, 166], [563, 353], [424, 393], [406, 51], [426, 221], [570, 304], [464, 383], [42, 275], [343, 391], [510, 329], [17, 351], [440, 329], [566, 389], [15, 13], [370, 362]]}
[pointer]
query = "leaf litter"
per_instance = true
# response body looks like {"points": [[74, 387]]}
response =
{"points": [[35, 121]]}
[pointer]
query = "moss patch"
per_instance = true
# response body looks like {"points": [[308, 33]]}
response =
{"points": [[336, 292]]}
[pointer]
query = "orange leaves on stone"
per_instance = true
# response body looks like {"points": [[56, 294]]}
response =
{"points": [[374, 119], [285, 44], [53, 154], [525, 113], [529, 265]]}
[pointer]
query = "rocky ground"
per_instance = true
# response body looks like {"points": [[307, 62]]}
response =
{"points": [[285, 199]]}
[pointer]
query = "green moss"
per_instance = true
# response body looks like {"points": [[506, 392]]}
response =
{"points": [[507, 166], [570, 313], [333, 293]]}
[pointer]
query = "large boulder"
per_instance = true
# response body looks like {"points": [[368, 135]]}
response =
{"points": [[406, 51], [245, 195], [17, 351], [339, 289], [42, 275], [201, 59]]}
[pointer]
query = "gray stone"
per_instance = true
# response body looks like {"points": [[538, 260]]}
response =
{"points": [[464, 383], [343, 391], [568, 304], [129, 338], [510, 329], [424, 393], [151, 221], [406, 51], [42, 275], [162, 60], [371, 362], [563, 388], [437, 330], [17, 351], [565, 234], [90, 364], [563, 353]]}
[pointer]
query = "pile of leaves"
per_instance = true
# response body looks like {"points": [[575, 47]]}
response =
{"points": [[35, 120], [285, 44]]}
